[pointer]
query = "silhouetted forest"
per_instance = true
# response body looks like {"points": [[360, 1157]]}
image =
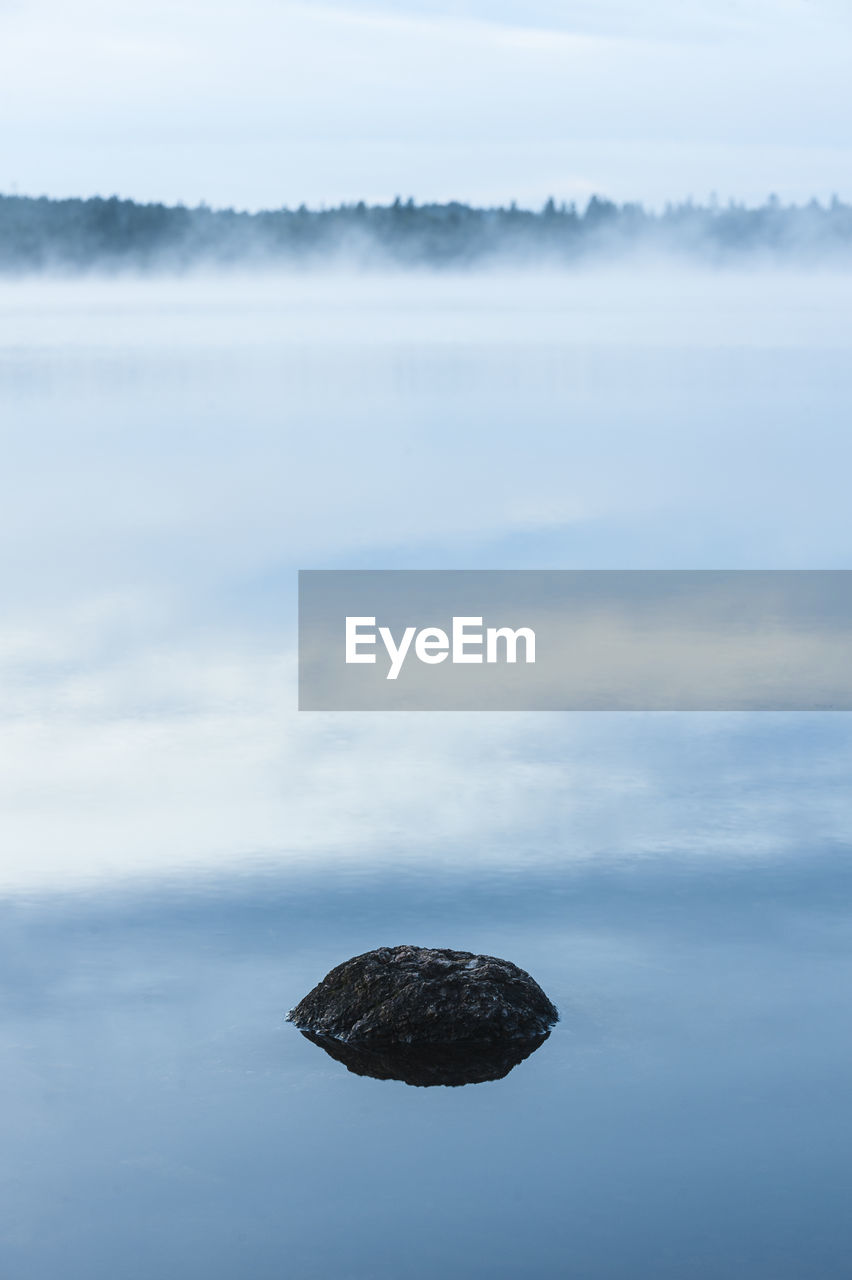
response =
{"points": [[40, 233]]}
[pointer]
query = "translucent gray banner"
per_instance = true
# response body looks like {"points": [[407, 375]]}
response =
{"points": [[585, 640]]}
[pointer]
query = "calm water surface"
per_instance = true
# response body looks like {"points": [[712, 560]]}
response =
{"points": [[690, 1114], [183, 855]]}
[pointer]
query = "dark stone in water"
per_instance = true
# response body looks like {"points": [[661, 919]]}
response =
{"points": [[430, 1064], [417, 997]]}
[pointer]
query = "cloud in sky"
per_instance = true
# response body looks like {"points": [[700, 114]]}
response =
{"points": [[263, 104]]}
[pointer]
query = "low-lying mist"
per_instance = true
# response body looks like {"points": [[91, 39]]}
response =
{"points": [[113, 234]]}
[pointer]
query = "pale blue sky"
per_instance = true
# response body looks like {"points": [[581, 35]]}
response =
{"points": [[268, 102]]}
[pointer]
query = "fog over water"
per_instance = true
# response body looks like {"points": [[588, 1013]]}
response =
{"points": [[414, 284], [177, 448], [183, 854]]}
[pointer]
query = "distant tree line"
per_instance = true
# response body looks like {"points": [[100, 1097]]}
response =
{"points": [[44, 234]]}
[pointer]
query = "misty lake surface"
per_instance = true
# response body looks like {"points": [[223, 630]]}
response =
{"points": [[184, 855]]}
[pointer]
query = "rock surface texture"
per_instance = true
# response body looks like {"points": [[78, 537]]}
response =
{"points": [[419, 996]]}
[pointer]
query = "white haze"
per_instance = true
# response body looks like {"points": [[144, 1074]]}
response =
{"points": [[175, 450]]}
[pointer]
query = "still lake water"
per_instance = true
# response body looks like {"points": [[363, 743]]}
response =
{"points": [[690, 1114], [184, 855]]}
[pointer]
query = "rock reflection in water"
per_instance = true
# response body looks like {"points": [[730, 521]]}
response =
{"points": [[430, 1064]]}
